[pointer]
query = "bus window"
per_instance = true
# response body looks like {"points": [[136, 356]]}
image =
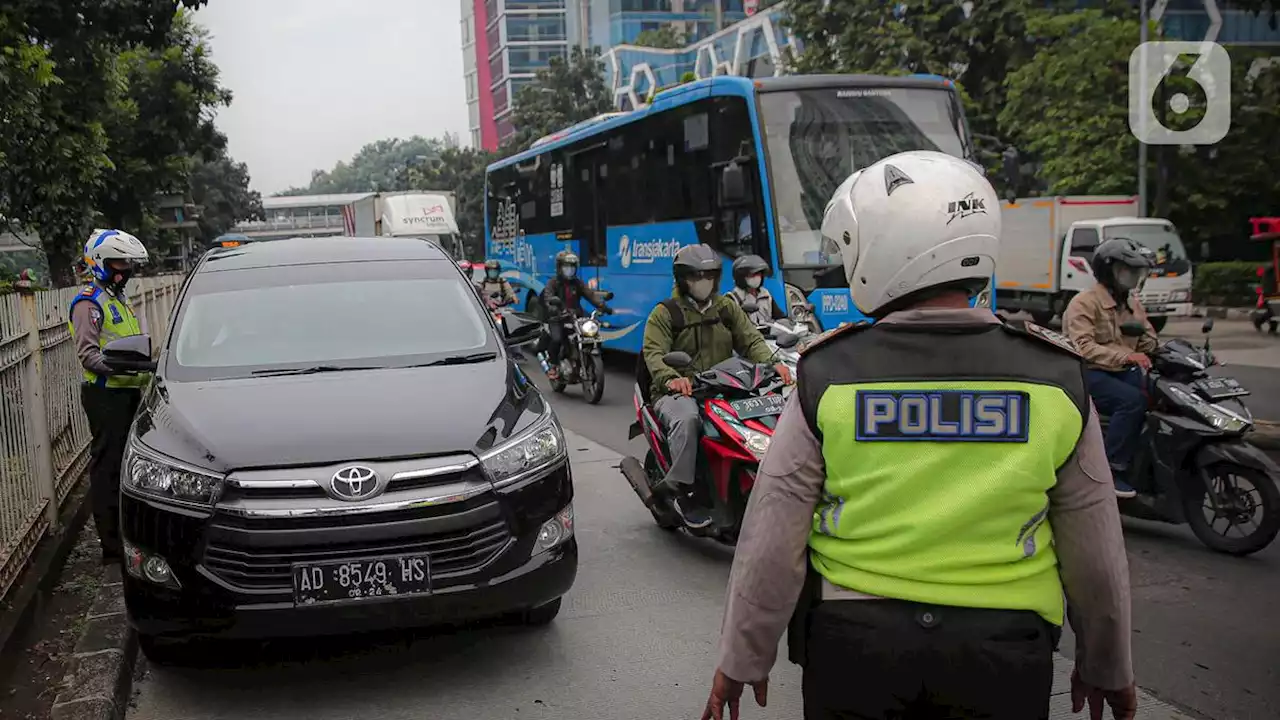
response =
{"points": [[588, 176]]}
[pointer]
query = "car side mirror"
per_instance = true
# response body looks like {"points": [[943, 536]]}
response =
{"points": [[1133, 329], [677, 359], [518, 331], [1207, 327], [129, 354], [733, 185]]}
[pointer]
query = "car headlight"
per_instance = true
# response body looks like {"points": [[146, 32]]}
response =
{"points": [[590, 328], [1212, 413], [535, 450], [1180, 296], [153, 474]]}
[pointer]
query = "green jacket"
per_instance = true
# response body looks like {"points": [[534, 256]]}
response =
{"points": [[708, 345]]}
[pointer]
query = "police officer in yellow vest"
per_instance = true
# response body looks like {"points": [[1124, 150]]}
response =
{"points": [[934, 487], [100, 313]]}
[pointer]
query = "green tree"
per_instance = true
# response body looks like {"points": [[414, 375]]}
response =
{"points": [[221, 186], [1068, 106], [379, 166], [460, 170], [159, 126], [562, 94], [667, 37]]}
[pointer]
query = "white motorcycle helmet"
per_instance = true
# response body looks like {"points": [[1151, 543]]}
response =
{"points": [[105, 245], [913, 221]]}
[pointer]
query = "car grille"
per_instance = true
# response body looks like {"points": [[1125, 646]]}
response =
{"points": [[270, 568]]}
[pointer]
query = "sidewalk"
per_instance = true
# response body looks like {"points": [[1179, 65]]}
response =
{"points": [[592, 460]]}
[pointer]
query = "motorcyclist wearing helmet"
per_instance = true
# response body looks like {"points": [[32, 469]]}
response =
{"points": [[934, 486], [495, 286], [99, 314], [562, 294], [1116, 362], [749, 272], [712, 327]]}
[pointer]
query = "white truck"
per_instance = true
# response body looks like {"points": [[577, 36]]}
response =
{"points": [[1048, 243], [427, 215]]}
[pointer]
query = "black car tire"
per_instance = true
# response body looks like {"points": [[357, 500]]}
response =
{"points": [[543, 614], [1255, 541], [164, 652]]}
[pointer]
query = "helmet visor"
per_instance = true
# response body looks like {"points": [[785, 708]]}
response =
{"points": [[1127, 278]]}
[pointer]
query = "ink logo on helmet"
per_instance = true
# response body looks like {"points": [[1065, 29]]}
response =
{"points": [[644, 252]]}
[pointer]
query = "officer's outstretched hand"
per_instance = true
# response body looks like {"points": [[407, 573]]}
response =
{"points": [[727, 691], [1124, 703], [784, 372]]}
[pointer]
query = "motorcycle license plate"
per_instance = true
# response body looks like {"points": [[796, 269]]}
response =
{"points": [[756, 407], [1219, 388]]}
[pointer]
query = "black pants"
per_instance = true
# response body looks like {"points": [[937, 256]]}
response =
{"points": [[881, 659], [110, 412], [552, 342]]}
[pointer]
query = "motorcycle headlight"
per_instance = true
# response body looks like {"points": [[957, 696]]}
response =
{"points": [[984, 299], [590, 328], [152, 474], [537, 449], [1215, 415], [753, 440]]}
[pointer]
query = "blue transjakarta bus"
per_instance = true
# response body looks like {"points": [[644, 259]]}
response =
{"points": [[744, 165]]}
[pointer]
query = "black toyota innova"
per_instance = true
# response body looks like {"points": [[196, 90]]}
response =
{"points": [[337, 439]]}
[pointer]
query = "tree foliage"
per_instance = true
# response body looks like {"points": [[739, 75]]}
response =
{"points": [[562, 94], [379, 166], [221, 185], [460, 170], [667, 37], [63, 80]]}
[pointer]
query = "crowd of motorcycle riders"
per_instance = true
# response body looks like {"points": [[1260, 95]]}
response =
{"points": [[929, 614]]}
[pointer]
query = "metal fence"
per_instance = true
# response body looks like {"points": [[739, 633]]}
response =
{"points": [[44, 437]]}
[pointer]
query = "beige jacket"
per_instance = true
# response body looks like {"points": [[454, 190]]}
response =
{"points": [[1093, 321]]}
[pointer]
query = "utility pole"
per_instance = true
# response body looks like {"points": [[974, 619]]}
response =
{"points": [[1145, 97]]}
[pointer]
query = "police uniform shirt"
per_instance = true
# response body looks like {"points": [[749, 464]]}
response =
{"points": [[772, 552]]}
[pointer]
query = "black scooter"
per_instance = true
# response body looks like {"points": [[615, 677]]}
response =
{"points": [[1194, 464]]}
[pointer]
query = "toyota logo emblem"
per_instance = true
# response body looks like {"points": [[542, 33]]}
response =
{"points": [[356, 482]]}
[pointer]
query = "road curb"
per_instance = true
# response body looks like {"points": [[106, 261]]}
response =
{"points": [[40, 577], [1222, 313], [99, 681]]}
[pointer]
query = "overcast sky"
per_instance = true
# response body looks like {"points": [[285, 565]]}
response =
{"points": [[314, 80]]}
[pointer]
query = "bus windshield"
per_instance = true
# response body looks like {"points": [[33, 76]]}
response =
{"points": [[817, 138], [1161, 239]]}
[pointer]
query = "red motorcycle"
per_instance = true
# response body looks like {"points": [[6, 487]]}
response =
{"points": [[739, 406]]}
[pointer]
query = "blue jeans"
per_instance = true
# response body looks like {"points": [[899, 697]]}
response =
{"points": [[1119, 396]]}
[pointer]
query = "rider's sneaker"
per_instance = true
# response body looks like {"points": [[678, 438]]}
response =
{"points": [[691, 513], [1124, 489]]}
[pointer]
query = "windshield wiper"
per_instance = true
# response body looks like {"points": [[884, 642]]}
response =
{"points": [[312, 370], [461, 359]]}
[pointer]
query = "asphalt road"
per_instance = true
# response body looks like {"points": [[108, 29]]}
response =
{"points": [[636, 638]]}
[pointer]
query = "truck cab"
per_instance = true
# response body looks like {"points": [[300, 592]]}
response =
{"points": [[1166, 292]]}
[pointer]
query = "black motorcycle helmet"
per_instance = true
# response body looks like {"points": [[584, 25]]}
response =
{"points": [[694, 260], [492, 269], [746, 266], [1120, 264], [566, 258]]}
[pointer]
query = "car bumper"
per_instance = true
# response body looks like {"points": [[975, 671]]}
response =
{"points": [[252, 597]]}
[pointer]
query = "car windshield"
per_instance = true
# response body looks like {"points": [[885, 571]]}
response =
{"points": [[817, 138], [1161, 239], [334, 317]]}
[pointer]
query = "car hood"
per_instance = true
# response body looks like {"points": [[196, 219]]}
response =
{"points": [[327, 418]]}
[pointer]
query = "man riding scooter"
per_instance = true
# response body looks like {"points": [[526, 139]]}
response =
{"points": [[494, 285], [710, 328], [1116, 362], [749, 272], [563, 293]]}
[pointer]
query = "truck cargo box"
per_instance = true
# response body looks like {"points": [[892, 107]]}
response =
{"points": [[1033, 230]]}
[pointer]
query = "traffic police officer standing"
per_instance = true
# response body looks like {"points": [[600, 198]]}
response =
{"points": [[99, 314], [934, 486]]}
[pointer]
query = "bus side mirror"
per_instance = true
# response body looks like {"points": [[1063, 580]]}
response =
{"points": [[732, 184]]}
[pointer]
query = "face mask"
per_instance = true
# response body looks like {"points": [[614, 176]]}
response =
{"points": [[120, 278], [701, 289], [568, 271], [754, 281], [1127, 278], [492, 274]]}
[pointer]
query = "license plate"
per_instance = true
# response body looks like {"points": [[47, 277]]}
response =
{"points": [[1219, 388], [1156, 309], [755, 407], [361, 579]]}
